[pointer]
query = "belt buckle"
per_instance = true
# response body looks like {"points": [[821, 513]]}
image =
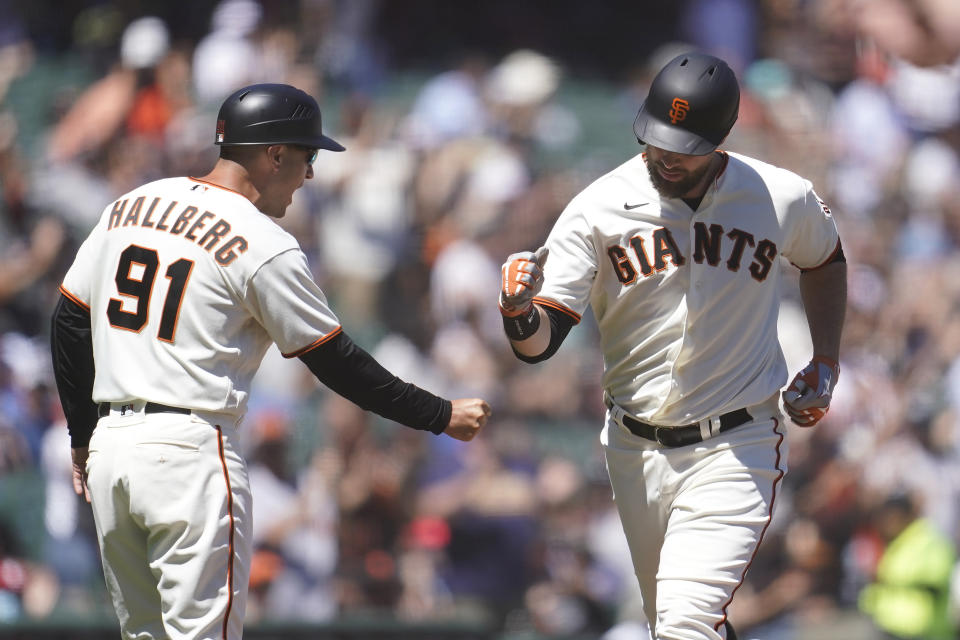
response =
{"points": [[671, 441], [656, 434], [125, 408]]}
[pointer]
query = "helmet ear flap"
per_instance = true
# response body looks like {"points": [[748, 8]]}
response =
{"points": [[636, 127]]}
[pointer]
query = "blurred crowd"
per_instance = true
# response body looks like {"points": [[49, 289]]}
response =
{"points": [[467, 162]]}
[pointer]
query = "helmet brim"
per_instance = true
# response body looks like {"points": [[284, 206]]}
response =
{"points": [[655, 133], [328, 143], [317, 142]]}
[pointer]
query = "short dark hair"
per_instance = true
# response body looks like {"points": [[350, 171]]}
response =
{"points": [[239, 153]]}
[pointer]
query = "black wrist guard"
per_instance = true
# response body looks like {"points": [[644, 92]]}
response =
{"points": [[523, 325]]}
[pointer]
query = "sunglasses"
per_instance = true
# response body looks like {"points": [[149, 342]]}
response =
{"points": [[311, 152]]}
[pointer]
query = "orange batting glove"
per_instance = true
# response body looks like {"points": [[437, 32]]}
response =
{"points": [[522, 280], [807, 399]]}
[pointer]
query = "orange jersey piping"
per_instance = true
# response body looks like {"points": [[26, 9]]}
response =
{"points": [[559, 307], [773, 499], [833, 254], [218, 186], [230, 547], [73, 298], [313, 345]]}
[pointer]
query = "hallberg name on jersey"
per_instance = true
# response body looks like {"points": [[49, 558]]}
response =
{"points": [[708, 245], [180, 220]]}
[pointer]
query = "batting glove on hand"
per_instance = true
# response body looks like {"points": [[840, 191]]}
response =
{"points": [[522, 280], [807, 399]]}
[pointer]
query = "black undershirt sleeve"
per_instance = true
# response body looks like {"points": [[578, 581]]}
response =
{"points": [[353, 373], [71, 346], [560, 325], [838, 255]]}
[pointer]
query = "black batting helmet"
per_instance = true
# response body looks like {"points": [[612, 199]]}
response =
{"points": [[691, 107], [272, 114]]}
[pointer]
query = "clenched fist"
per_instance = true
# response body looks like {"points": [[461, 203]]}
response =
{"points": [[807, 399], [469, 414], [522, 280]]}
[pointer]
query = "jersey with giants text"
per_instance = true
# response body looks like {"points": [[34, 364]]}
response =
{"points": [[187, 284], [686, 301]]}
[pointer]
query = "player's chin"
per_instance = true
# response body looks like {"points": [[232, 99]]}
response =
{"points": [[282, 209], [277, 211]]}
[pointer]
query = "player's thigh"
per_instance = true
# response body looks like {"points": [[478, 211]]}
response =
{"points": [[714, 530], [637, 474], [196, 504], [636, 477], [122, 539]]}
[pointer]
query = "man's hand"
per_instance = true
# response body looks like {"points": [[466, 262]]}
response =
{"points": [[522, 280], [79, 456], [807, 399], [469, 414]]}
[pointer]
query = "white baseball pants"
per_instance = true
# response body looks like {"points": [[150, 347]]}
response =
{"points": [[171, 502], [694, 517]]}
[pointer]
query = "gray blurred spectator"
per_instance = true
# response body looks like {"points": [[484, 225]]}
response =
{"points": [[295, 540], [102, 109], [923, 32], [366, 210], [519, 92], [69, 549], [724, 28], [449, 105], [491, 511], [227, 57], [347, 49], [869, 137]]}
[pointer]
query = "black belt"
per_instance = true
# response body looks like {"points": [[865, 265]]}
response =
{"points": [[150, 407], [683, 435]]}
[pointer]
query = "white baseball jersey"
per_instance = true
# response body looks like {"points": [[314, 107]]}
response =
{"points": [[686, 301], [187, 284]]}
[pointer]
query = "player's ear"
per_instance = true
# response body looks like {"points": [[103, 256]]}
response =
{"points": [[274, 153]]}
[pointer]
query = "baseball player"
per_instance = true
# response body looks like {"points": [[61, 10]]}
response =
{"points": [[164, 317], [678, 252]]}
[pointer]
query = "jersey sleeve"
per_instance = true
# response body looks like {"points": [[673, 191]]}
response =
{"points": [[286, 301], [571, 265], [78, 283], [811, 231]]}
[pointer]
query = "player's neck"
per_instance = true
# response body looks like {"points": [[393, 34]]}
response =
{"points": [[230, 175], [696, 193]]}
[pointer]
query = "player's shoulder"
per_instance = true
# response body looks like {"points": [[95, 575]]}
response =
{"points": [[266, 237], [625, 173], [627, 181], [745, 169], [193, 199], [155, 188], [163, 185]]}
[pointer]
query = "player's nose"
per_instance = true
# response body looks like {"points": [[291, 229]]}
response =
{"points": [[670, 160]]}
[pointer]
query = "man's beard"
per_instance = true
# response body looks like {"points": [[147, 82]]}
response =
{"points": [[677, 189]]}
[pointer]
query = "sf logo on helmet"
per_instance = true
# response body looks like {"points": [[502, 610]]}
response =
{"points": [[678, 110]]}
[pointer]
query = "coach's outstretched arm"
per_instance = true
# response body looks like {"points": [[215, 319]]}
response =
{"points": [[353, 373]]}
